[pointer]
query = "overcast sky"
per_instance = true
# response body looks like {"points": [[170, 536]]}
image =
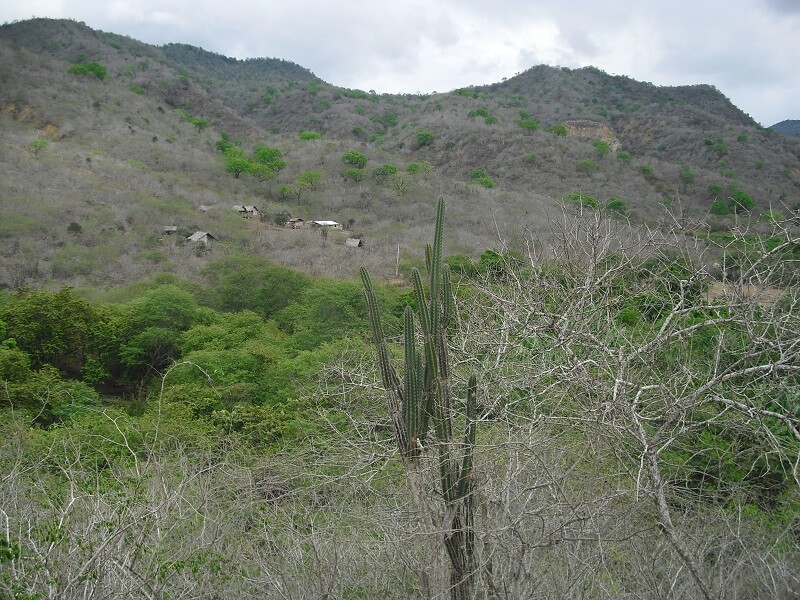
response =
{"points": [[748, 49]]}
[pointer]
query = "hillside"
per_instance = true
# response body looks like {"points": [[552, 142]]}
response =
{"points": [[95, 168], [789, 127]]}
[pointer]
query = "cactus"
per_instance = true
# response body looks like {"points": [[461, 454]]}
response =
{"points": [[422, 400]]}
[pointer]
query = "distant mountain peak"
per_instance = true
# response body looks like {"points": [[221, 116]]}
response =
{"points": [[790, 127]]}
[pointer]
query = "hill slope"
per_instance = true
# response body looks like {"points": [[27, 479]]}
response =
{"points": [[95, 168]]}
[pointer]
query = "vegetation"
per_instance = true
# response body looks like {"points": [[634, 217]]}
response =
{"points": [[424, 137], [92, 68]]}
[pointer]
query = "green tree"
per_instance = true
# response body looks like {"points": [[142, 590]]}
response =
{"points": [[309, 179], [310, 135], [601, 147], [37, 146], [424, 138], [236, 161], [56, 328], [355, 159], [92, 68]]}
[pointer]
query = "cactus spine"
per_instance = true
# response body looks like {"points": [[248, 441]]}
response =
{"points": [[423, 399]]}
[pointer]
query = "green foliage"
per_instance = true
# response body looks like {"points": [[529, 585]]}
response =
{"points": [[583, 200], [37, 146], [478, 112], [355, 159], [588, 165], [531, 158], [137, 89], [740, 201], [267, 162], [528, 124], [236, 161], [720, 208], [719, 147], [413, 168], [646, 170], [615, 205], [714, 189], [56, 328], [199, 122], [687, 175], [624, 156], [91, 68], [254, 283], [383, 173], [742, 137], [602, 148], [310, 135], [480, 177], [309, 179], [424, 137], [558, 129], [354, 174]]}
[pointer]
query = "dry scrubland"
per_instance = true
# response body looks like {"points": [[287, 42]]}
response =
{"points": [[213, 421]]}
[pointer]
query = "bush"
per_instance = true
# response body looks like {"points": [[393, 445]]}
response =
{"points": [[559, 130], [687, 175], [413, 168], [355, 158], [741, 201], [714, 189], [588, 165], [582, 199], [383, 172], [646, 170], [424, 138], [624, 156], [91, 68], [137, 89], [310, 135], [354, 174], [532, 157], [615, 205], [602, 148], [720, 208], [528, 124], [478, 112], [491, 120]]}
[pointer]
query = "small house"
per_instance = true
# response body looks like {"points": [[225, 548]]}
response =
{"points": [[247, 211], [170, 229], [201, 237], [295, 223], [326, 224], [354, 243]]}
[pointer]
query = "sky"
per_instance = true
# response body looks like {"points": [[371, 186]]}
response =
{"points": [[748, 49]]}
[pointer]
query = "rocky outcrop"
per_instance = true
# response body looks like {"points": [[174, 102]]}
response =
{"points": [[592, 130]]}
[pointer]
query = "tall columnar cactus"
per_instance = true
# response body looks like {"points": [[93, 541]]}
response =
{"points": [[422, 399]]}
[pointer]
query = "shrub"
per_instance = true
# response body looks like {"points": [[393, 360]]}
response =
{"points": [[560, 129], [424, 137], [741, 201], [720, 208], [383, 172], [137, 89], [602, 148], [478, 112], [354, 174], [491, 120], [310, 135], [37, 146], [624, 156], [687, 175], [532, 157], [355, 158], [646, 170], [486, 182], [616, 205], [413, 168], [714, 189], [91, 68], [582, 199], [742, 137], [528, 124], [588, 165]]}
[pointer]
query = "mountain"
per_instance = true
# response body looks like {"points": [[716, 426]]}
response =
{"points": [[107, 140], [788, 127]]}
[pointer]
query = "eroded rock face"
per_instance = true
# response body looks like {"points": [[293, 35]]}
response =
{"points": [[592, 130]]}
